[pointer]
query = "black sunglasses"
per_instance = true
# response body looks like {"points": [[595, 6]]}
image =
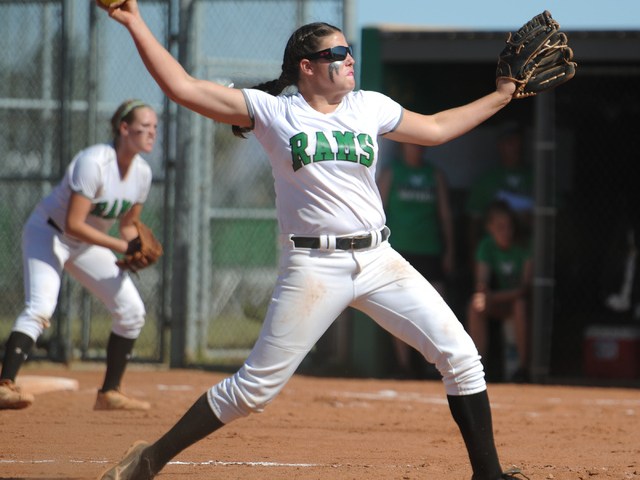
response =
{"points": [[333, 54]]}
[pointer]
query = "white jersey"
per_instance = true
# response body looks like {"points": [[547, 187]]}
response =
{"points": [[324, 165], [94, 173]]}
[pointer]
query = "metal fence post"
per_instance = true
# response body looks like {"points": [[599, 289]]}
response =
{"points": [[543, 235], [181, 277]]}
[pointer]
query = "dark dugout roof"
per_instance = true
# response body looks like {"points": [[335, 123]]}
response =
{"points": [[408, 44]]}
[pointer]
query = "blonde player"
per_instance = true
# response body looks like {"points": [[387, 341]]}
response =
{"points": [[322, 141], [68, 231]]}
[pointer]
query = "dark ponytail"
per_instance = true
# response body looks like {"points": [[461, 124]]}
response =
{"points": [[304, 41]]}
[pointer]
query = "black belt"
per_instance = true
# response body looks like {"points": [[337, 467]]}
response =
{"points": [[357, 242], [54, 225]]}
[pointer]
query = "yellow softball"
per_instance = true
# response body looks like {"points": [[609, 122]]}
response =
{"points": [[114, 3]]}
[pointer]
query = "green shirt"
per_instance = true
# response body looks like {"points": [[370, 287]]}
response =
{"points": [[506, 266], [412, 210]]}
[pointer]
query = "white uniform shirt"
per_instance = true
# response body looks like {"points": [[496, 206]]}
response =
{"points": [[94, 173], [324, 164]]}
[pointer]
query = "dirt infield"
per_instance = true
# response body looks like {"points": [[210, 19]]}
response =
{"points": [[325, 429]]}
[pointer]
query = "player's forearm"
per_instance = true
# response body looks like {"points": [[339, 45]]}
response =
{"points": [[446, 220], [163, 67], [87, 234], [207, 98], [455, 122], [439, 128]]}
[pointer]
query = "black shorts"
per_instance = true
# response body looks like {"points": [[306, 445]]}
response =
{"points": [[430, 266]]}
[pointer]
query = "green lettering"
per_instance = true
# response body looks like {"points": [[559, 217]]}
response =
{"points": [[323, 148], [346, 146], [366, 144], [113, 213], [126, 206], [298, 144], [119, 208], [98, 209]]}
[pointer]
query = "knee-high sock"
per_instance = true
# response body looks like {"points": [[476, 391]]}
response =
{"points": [[472, 413], [118, 354], [198, 422], [16, 352]]}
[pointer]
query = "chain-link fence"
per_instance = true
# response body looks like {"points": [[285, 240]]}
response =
{"points": [[232, 212], [64, 68]]}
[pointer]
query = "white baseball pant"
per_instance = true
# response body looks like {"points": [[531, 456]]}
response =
{"points": [[46, 253], [313, 288]]}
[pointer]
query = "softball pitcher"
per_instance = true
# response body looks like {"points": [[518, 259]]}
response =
{"points": [[322, 141], [68, 231]]}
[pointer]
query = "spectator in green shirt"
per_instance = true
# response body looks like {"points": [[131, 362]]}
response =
{"points": [[416, 199], [503, 271]]}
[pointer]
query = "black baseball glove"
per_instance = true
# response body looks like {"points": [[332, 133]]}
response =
{"points": [[537, 57]]}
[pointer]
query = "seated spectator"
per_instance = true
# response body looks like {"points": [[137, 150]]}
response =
{"points": [[502, 273]]}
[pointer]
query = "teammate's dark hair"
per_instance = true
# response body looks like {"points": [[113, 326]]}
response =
{"points": [[304, 41], [498, 207], [502, 207]]}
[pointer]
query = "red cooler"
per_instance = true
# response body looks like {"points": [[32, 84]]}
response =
{"points": [[612, 351]]}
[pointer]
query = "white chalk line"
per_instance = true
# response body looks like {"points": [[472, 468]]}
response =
{"points": [[629, 406], [175, 388], [441, 400], [257, 464], [204, 463], [394, 395], [25, 461]]}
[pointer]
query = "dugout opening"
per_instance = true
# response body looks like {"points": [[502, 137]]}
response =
{"points": [[586, 183]]}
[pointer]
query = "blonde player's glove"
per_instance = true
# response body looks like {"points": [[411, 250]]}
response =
{"points": [[144, 250]]}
